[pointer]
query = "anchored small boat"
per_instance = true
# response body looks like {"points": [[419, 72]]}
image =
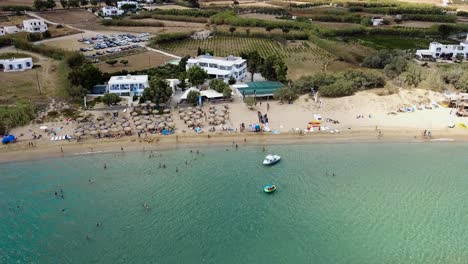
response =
{"points": [[269, 188], [271, 159]]}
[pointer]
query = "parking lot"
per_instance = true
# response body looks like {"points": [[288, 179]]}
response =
{"points": [[103, 44]]}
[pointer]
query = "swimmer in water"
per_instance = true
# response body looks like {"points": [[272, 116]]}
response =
{"points": [[87, 237], [105, 166], [164, 166], [159, 165], [198, 152], [176, 169], [98, 224], [55, 193]]}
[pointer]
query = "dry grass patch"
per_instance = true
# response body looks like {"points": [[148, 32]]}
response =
{"points": [[136, 62]]}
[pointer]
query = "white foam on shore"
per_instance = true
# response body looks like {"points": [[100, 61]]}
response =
{"points": [[443, 139], [92, 152]]}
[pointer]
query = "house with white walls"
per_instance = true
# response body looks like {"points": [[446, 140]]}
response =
{"points": [[34, 26], [221, 68], [128, 85], [11, 29], [108, 11], [442, 51], [14, 65], [122, 3]]}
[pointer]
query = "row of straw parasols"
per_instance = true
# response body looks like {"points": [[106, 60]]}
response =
{"points": [[192, 116]]}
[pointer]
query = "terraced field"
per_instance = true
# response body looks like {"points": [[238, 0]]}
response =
{"points": [[297, 54]]}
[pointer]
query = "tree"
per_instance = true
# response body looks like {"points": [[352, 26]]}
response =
{"points": [[218, 85], [232, 81], [158, 92], [182, 83], [413, 75], [366, 21], [194, 3], [444, 30], [111, 62], [196, 75], [84, 2], [235, 3], [459, 56], [249, 101], [34, 37], [124, 62], [75, 59], [183, 63], [85, 76], [269, 28], [274, 69], [227, 92], [254, 61], [94, 2], [50, 4], [285, 94], [192, 97], [247, 31], [127, 7], [73, 3], [199, 51], [110, 2], [46, 34], [64, 3], [39, 5], [111, 99], [232, 29], [285, 30]]}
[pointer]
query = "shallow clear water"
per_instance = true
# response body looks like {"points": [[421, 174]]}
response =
{"points": [[387, 203]]}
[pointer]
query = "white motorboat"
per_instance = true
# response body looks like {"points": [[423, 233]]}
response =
{"points": [[271, 159]]}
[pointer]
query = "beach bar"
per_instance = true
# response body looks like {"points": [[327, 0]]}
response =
{"points": [[263, 89]]}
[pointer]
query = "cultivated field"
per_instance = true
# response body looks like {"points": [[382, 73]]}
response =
{"points": [[136, 62], [299, 56], [76, 18]]}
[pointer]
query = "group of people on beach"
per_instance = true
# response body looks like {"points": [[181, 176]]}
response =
{"points": [[427, 133]]}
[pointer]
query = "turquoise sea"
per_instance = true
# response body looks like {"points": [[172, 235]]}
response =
{"points": [[386, 203]]}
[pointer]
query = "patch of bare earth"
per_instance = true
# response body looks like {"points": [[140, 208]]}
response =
{"points": [[136, 62]]}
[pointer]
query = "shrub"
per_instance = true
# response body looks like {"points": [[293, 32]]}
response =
{"points": [[249, 101], [75, 59], [232, 81], [285, 94], [111, 99], [131, 23], [5, 41], [13, 116], [46, 34], [34, 37], [16, 8], [52, 52], [218, 85], [431, 18], [168, 37]]}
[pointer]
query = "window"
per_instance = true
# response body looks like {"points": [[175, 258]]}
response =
{"points": [[28, 64], [20, 66], [212, 65], [10, 66], [202, 64]]}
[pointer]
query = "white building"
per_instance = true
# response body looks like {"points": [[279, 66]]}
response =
{"points": [[220, 67], [11, 30], [121, 3], [128, 85], [111, 11], [34, 25], [437, 50], [2, 31], [13, 65], [377, 22]]}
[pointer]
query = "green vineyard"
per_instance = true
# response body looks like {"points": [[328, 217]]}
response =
{"points": [[293, 53]]}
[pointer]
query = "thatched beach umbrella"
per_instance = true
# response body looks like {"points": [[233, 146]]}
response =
{"points": [[126, 129], [211, 120], [134, 114], [148, 121], [186, 118], [155, 111], [79, 119], [78, 134], [146, 117], [162, 125], [166, 111], [198, 112], [171, 125], [137, 123], [101, 122], [104, 131], [152, 104], [182, 115], [166, 115], [100, 118], [219, 118], [136, 118], [139, 127], [125, 124], [150, 126], [220, 113], [115, 129], [92, 128], [93, 132], [169, 120], [144, 112], [143, 104], [189, 123]]}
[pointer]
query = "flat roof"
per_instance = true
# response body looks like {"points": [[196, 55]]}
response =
{"points": [[224, 61], [128, 79], [260, 88]]}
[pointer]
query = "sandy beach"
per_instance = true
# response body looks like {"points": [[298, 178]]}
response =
{"points": [[360, 117]]}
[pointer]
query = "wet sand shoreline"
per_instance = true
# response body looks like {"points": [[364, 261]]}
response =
{"points": [[46, 149]]}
